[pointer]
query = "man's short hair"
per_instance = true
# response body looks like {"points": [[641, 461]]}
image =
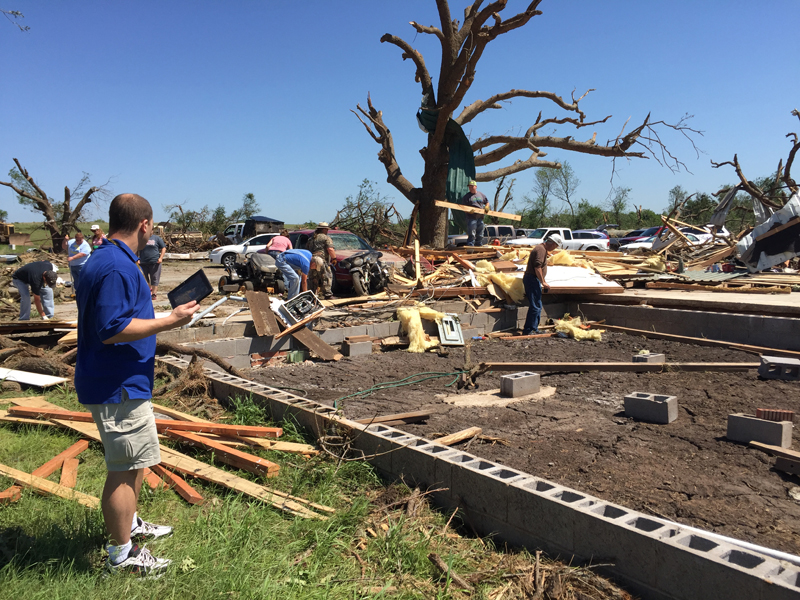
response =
{"points": [[127, 211], [50, 278]]}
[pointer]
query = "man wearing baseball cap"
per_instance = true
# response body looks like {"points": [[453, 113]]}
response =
{"points": [[534, 280], [474, 199]]}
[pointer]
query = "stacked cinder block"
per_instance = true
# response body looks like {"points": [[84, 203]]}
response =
{"points": [[654, 408]]}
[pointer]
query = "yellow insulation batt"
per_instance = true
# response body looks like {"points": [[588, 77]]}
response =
{"points": [[484, 265], [570, 327], [511, 285], [515, 254], [412, 325]]}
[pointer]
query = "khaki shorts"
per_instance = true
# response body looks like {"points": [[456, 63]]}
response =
{"points": [[128, 432]]}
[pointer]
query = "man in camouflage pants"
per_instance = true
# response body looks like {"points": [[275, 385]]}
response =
{"points": [[322, 251]]}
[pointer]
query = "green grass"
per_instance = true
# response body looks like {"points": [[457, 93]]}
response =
{"points": [[232, 547], [41, 237]]}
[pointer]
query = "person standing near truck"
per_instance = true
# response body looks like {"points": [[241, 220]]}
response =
{"points": [[474, 199], [323, 253], [534, 281]]}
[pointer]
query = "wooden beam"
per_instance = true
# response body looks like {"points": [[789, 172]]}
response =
{"points": [[313, 342], [69, 473], [703, 341], [56, 463], [697, 287], [459, 436], [775, 450], [152, 480], [11, 494], [300, 324], [408, 417], [45, 486], [465, 263], [478, 211], [635, 367], [790, 223], [162, 425], [263, 317], [417, 264], [229, 456], [178, 483]]}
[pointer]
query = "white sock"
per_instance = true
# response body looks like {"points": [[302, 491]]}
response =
{"points": [[135, 522], [116, 554]]}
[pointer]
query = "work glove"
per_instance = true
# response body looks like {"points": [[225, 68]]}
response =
{"points": [[45, 318]]}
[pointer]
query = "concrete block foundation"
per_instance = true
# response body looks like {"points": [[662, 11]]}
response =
{"points": [[653, 408], [747, 428], [357, 349], [776, 367]]}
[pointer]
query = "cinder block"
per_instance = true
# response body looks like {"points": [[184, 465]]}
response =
{"points": [[777, 367], [654, 408], [519, 384], [332, 336], [357, 349], [747, 428], [649, 358], [482, 486]]}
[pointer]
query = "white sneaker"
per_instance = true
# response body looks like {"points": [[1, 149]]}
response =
{"points": [[139, 562], [150, 531]]}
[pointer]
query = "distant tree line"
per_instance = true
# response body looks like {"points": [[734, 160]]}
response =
{"points": [[211, 221]]}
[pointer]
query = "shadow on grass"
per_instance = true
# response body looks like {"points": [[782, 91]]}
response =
{"points": [[52, 548]]}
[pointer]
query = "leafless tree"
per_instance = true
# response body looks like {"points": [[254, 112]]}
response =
{"points": [[462, 46], [13, 16], [60, 218], [498, 204]]}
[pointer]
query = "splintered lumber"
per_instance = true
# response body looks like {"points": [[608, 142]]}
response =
{"points": [[300, 324], [450, 292], [6, 418], [409, 417], [263, 317], [55, 463], [178, 483], [230, 456], [703, 341], [579, 367], [417, 264], [190, 466], [154, 481], [459, 436], [44, 486], [69, 473], [464, 262], [478, 211], [790, 223], [161, 424], [665, 285], [10, 495], [313, 342]]}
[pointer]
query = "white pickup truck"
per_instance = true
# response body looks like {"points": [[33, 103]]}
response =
{"points": [[579, 240]]}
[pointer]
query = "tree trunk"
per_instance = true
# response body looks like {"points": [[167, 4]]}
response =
{"points": [[432, 218]]}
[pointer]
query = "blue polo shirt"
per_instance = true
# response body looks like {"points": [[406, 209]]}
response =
{"points": [[75, 248], [113, 291], [298, 258]]}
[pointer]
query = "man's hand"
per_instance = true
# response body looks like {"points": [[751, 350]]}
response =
{"points": [[45, 318], [183, 314], [545, 287]]}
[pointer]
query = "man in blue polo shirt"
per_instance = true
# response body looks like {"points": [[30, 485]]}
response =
{"points": [[287, 262], [114, 376]]}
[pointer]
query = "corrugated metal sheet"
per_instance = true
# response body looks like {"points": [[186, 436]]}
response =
{"points": [[702, 276]]}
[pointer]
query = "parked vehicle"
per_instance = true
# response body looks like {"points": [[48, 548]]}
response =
{"points": [[226, 255], [648, 243], [490, 232], [255, 272], [236, 232], [346, 244], [537, 236], [704, 234], [640, 234]]}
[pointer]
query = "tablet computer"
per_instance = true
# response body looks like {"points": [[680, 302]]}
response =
{"points": [[195, 288]]}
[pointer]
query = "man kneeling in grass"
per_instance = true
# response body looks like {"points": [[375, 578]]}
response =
{"points": [[114, 377]]}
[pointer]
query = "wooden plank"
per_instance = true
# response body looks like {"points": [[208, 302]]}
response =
{"points": [[787, 465], [177, 414], [313, 342], [505, 266], [6, 418], [417, 264], [459, 436], [70, 339], [451, 292], [300, 324], [48, 487], [713, 259], [230, 456], [408, 417], [263, 317], [186, 464], [790, 223], [464, 263], [178, 483], [478, 211], [35, 379], [152, 480], [703, 341], [697, 287], [69, 473], [30, 326], [161, 424], [635, 367], [776, 450], [355, 339], [54, 464], [11, 494]]}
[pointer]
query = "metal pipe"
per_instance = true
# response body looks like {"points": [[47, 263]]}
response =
{"points": [[203, 313]]}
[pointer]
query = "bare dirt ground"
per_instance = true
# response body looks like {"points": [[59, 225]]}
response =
{"points": [[579, 437]]}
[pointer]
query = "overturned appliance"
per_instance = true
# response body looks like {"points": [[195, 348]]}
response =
{"points": [[255, 272]]}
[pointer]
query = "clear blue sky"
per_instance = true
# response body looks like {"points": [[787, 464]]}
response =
{"points": [[201, 102]]}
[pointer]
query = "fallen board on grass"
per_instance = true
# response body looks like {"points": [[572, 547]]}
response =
{"points": [[177, 483], [56, 463], [186, 464], [230, 456], [40, 484], [161, 424], [409, 417], [34, 379]]}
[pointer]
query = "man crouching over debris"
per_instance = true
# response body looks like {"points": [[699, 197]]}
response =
{"points": [[534, 281], [114, 376]]}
